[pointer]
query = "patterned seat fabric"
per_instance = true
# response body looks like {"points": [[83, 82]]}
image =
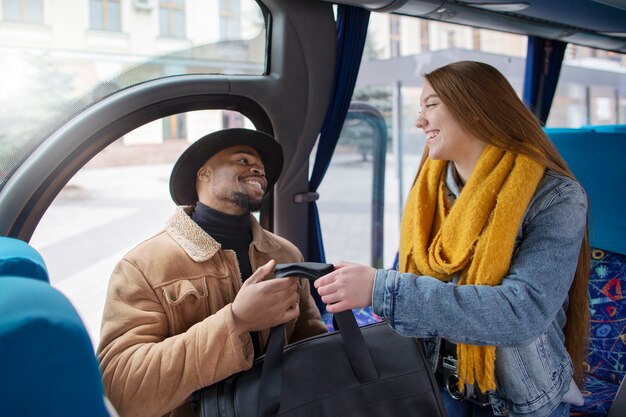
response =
{"points": [[598, 396], [364, 316], [606, 364]]}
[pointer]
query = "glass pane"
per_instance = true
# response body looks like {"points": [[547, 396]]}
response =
{"points": [[345, 203], [164, 24], [602, 105], [114, 15], [11, 9], [96, 19], [33, 11], [54, 76], [569, 106], [178, 24], [120, 198]]}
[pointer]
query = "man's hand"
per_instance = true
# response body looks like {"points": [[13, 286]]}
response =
{"points": [[348, 286], [263, 304]]}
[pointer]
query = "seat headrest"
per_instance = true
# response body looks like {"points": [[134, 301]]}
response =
{"points": [[18, 258], [597, 161]]}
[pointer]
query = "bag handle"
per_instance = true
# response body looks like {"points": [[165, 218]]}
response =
{"points": [[356, 349]]}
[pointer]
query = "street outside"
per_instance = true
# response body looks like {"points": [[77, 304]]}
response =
{"points": [[102, 213]]}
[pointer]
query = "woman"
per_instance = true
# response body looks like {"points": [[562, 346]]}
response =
{"points": [[494, 256]]}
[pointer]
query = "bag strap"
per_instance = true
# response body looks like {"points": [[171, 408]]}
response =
{"points": [[271, 374], [356, 349]]}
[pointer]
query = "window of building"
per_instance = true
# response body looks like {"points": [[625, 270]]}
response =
{"points": [[172, 18], [602, 105], [26, 11], [590, 89], [569, 106], [394, 35], [232, 119], [105, 15], [175, 127], [230, 19]]}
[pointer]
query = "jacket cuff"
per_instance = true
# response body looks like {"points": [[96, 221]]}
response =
{"points": [[382, 293], [241, 345]]}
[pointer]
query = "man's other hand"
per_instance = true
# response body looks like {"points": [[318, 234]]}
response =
{"points": [[263, 304]]}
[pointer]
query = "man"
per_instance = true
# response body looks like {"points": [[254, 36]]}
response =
{"points": [[184, 309]]}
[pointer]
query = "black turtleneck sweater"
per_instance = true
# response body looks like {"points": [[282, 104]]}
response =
{"points": [[232, 232]]}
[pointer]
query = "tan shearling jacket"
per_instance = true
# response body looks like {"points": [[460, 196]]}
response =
{"points": [[168, 328]]}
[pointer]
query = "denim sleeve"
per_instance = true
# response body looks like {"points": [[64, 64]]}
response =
{"points": [[513, 313]]}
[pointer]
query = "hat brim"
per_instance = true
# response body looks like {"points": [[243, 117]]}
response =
{"points": [[183, 177]]}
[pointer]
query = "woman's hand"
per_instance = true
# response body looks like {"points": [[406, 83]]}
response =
{"points": [[348, 286]]}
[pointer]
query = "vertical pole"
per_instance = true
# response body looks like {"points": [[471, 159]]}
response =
{"points": [[396, 114], [588, 104]]}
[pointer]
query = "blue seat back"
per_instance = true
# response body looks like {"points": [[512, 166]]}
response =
{"points": [[46, 356], [607, 128], [597, 161], [47, 363], [18, 258]]}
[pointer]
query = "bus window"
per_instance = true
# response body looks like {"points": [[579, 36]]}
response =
{"points": [[55, 70], [590, 90]]}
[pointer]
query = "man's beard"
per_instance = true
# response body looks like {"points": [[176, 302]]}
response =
{"points": [[244, 201]]}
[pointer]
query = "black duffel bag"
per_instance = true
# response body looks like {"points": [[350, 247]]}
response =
{"points": [[356, 372]]}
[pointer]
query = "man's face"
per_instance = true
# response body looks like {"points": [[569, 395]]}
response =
{"points": [[233, 181]]}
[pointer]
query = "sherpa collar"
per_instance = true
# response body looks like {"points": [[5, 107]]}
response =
{"points": [[200, 246]]}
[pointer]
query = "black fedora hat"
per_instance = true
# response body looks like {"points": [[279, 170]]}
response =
{"points": [[183, 177]]}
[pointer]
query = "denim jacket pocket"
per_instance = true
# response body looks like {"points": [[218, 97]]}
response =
{"points": [[185, 302], [529, 376]]}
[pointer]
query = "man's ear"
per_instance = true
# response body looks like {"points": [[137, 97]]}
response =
{"points": [[204, 174]]}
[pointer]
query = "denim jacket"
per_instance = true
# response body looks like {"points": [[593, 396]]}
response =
{"points": [[523, 316]]}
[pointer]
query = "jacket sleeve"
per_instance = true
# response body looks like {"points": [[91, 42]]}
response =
{"points": [[147, 373]]}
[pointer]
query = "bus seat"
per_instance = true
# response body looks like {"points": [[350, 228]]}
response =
{"points": [[606, 362], [607, 128], [595, 159], [47, 361], [46, 357], [564, 130], [363, 316], [18, 258]]}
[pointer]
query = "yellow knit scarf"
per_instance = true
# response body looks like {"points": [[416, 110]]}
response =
{"points": [[474, 239]]}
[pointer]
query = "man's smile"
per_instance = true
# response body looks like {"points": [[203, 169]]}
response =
{"points": [[257, 183]]}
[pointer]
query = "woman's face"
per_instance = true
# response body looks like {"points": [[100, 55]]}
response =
{"points": [[445, 138]]}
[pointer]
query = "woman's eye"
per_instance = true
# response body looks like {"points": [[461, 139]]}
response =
{"points": [[430, 105]]}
